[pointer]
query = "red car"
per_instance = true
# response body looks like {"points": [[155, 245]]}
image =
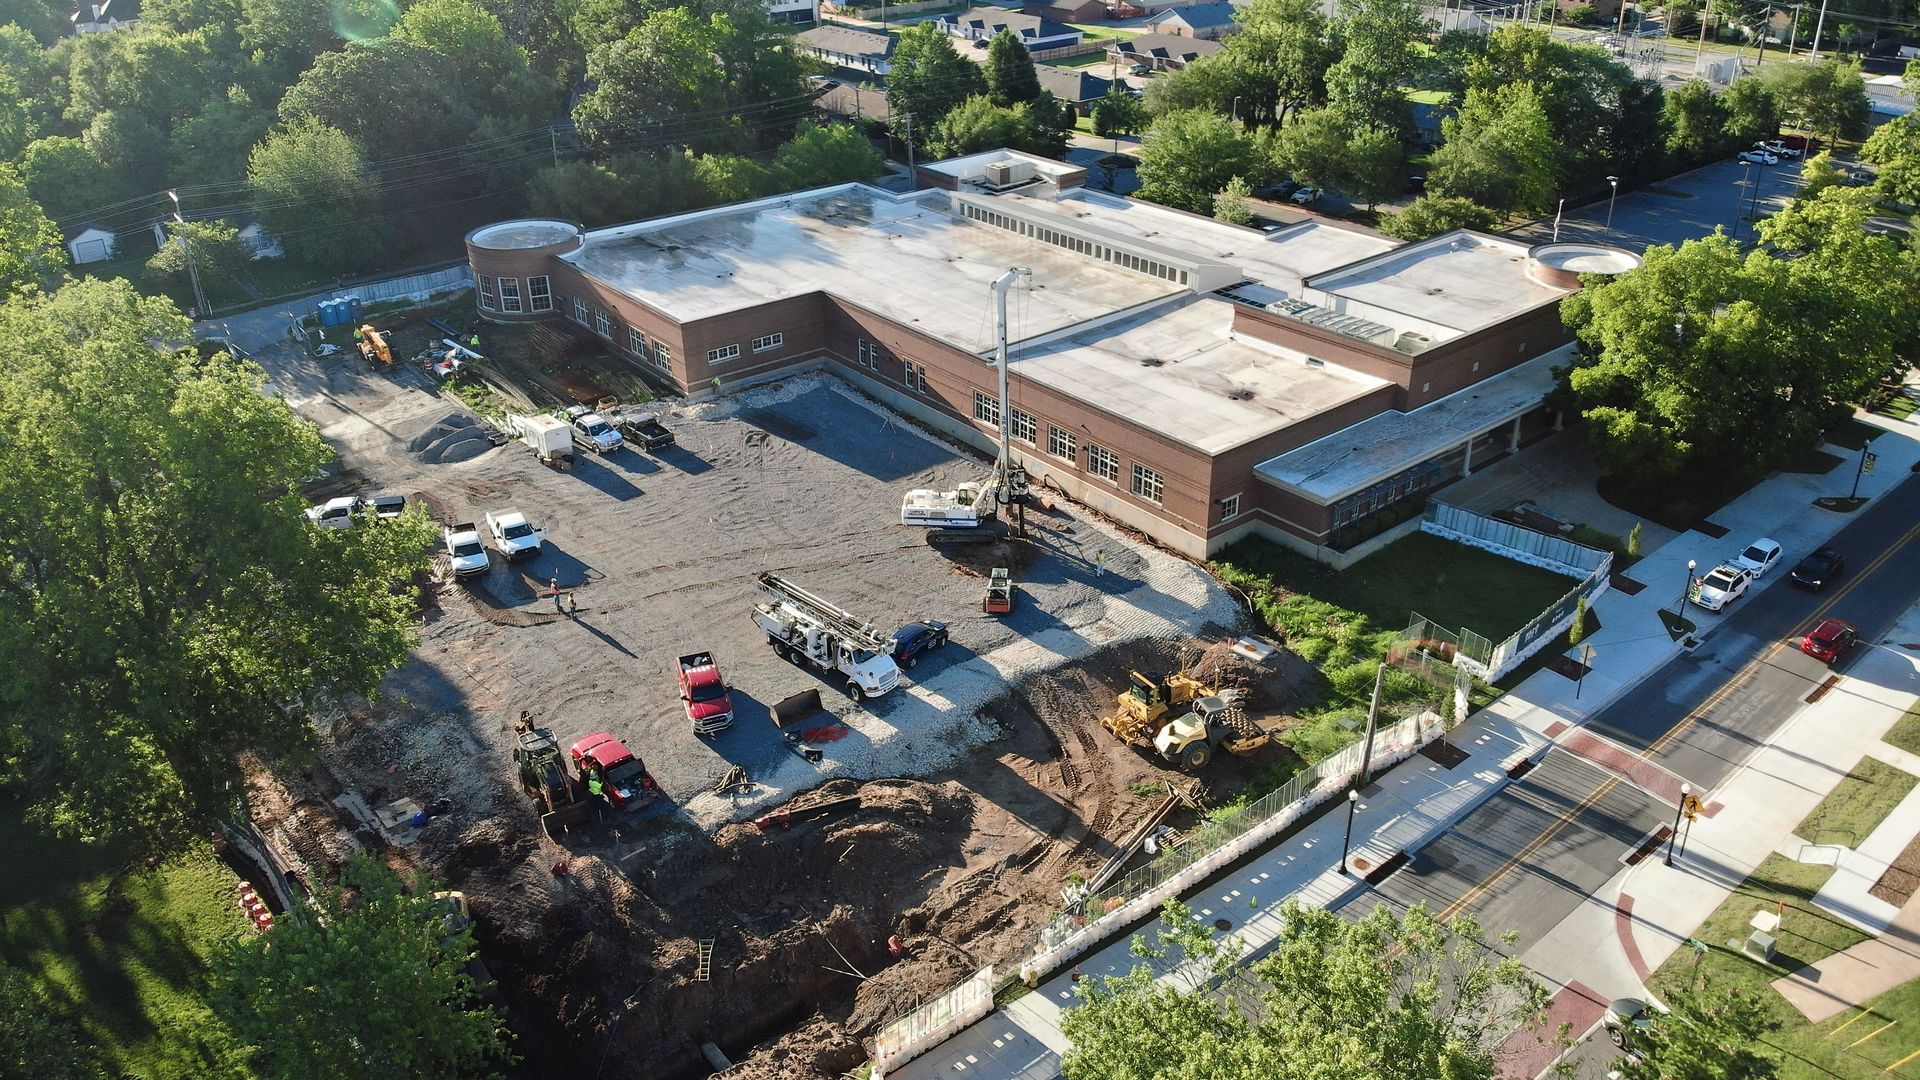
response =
{"points": [[624, 780], [1830, 641]]}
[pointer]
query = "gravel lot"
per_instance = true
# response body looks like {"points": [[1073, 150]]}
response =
{"points": [[802, 478]]}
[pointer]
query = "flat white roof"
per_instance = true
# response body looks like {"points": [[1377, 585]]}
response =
{"points": [[1459, 280], [1281, 259], [1178, 369], [1348, 460], [905, 257]]}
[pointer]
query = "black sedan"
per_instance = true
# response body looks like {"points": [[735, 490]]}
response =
{"points": [[917, 639], [1819, 569]]}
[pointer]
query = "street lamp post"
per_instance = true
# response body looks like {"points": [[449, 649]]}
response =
{"points": [[1235, 114], [193, 272], [1685, 790], [1353, 801], [1613, 182], [1680, 609]]}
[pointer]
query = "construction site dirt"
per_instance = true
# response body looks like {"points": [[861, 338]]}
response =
{"points": [[983, 782]]}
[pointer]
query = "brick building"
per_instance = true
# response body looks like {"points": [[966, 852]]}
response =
{"points": [[1196, 380]]}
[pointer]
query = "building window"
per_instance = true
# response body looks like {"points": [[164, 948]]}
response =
{"points": [[636, 343], [723, 354], [1023, 427], [580, 311], [510, 295], [771, 341], [601, 324], [869, 355], [1103, 463], [1060, 443], [1147, 483], [539, 294], [986, 408], [1229, 508], [914, 376], [486, 293], [662, 356]]}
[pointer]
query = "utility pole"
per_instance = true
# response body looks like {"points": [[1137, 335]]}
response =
{"points": [[186, 250], [553, 143], [1760, 50], [1620, 26], [1700, 50], [1818, 25], [906, 125], [1793, 30]]}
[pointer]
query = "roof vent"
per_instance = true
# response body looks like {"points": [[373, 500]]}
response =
{"points": [[1241, 395], [1153, 361]]}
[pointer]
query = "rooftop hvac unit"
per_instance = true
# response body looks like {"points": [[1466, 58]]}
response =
{"points": [[1008, 173], [1410, 342]]}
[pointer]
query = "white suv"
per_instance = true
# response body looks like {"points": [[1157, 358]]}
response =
{"points": [[1722, 586]]}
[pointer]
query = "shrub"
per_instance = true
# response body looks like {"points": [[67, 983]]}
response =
{"points": [[1580, 14]]}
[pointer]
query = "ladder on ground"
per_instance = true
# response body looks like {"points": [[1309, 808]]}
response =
{"points": [[847, 626], [705, 970]]}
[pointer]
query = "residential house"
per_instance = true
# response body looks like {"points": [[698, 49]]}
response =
{"points": [[1162, 52], [98, 18], [845, 47], [260, 243], [1078, 87], [794, 11], [1069, 11], [1209, 21], [980, 24], [89, 243]]}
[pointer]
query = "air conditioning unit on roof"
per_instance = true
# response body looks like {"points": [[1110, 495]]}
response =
{"points": [[1007, 173]]}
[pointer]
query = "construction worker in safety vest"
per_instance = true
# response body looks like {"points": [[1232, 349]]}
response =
{"points": [[593, 784]]}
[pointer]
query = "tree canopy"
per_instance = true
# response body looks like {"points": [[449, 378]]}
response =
{"points": [[1707, 1032], [826, 154], [166, 603], [1386, 997], [1189, 156], [1010, 75], [928, 79], [371, 982], [1431, 215], [1366, 85], [30, 249], [310, 190], [1499, 152]]}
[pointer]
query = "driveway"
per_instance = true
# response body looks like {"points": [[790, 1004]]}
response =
{"points": [[1557, 475], [1680, 208]]}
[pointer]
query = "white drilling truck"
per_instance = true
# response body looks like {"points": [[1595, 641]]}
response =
{"points": [[809, 631], [970, 513]]}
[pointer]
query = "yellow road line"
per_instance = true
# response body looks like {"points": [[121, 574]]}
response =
{"points": [[1871, 1034], [1739, 679]]}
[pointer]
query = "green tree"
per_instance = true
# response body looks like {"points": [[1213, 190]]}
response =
{"points": [[1499, 152], [1366, 85], [30, 248], [467, 36], [35, 1041], [311, 192], [826, 154], [211, 147], [976, 124], [1231, 204], [1214, 83], [928, 79], [180, 16], [286, 33], [1828, 98], [1753, 113], [46, 20], [1431, 215], [1313, 149], [66, 177], [730, 178], [1376, 166], [1696, 123], [658, 82], [1709, 1032], [1385, 996], [1633, 541], [1895, 149], [589, 192], [1187, 157], [1118, 113], [1594, 105], [1010, 75], [1818, 174], [1046, 125], [390, 96], [1289, 44], [177, 605], [215, 246], [1578, 631], [372, 983]]}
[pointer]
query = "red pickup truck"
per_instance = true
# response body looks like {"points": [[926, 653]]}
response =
{"points": [[703, 690], [623, 779]]}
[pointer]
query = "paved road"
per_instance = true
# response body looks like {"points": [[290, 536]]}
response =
{"points": [[1527, 857]]}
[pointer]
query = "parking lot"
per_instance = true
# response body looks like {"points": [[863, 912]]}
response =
{"points": [[802, 478]]}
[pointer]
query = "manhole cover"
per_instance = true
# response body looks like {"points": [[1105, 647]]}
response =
{"points": [[1223, 924]]}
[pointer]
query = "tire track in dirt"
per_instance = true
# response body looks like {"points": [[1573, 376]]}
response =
{"points": [[1056, 710]]}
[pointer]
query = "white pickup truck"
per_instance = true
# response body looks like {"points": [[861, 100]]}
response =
{"points": [[513, 534], [591, 431], [464, 550], [339, 513]]}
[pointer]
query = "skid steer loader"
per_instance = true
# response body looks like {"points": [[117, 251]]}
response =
{"points": [[543, 775]]}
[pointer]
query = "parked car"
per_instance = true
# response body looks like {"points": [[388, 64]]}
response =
{"points": [[1777, 148], [339, 513], [1759, 557], [1818, 570], [1829, 641], [1722, 586], [1306, 195], [1624, 1019], [1280, 189], [624, 780], [1416, 185], [917, 639], [1758, 157]]}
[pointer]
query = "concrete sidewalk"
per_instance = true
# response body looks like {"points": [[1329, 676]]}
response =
{"points": [[1608, 946]]}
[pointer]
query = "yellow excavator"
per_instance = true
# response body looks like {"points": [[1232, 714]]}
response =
{"points": [[1213, 721], [373, 347]]}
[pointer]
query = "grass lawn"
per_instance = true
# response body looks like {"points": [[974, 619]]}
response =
{"points": [[126, 955], [1092, 32], [1816, 462], [1906, 732], [1899, 406], [1097, 59], [1453, 584], [1807, 934], [1861, 800], [1430, 97]]}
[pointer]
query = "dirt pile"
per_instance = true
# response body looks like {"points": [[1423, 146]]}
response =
{"points": [[458, 436]]}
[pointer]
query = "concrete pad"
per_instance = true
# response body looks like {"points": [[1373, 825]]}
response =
{"points": [[1859, 974], [1846, 893], [1557, 475]]}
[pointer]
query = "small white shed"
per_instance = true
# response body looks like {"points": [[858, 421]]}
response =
{"points": [[90, 243]]}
